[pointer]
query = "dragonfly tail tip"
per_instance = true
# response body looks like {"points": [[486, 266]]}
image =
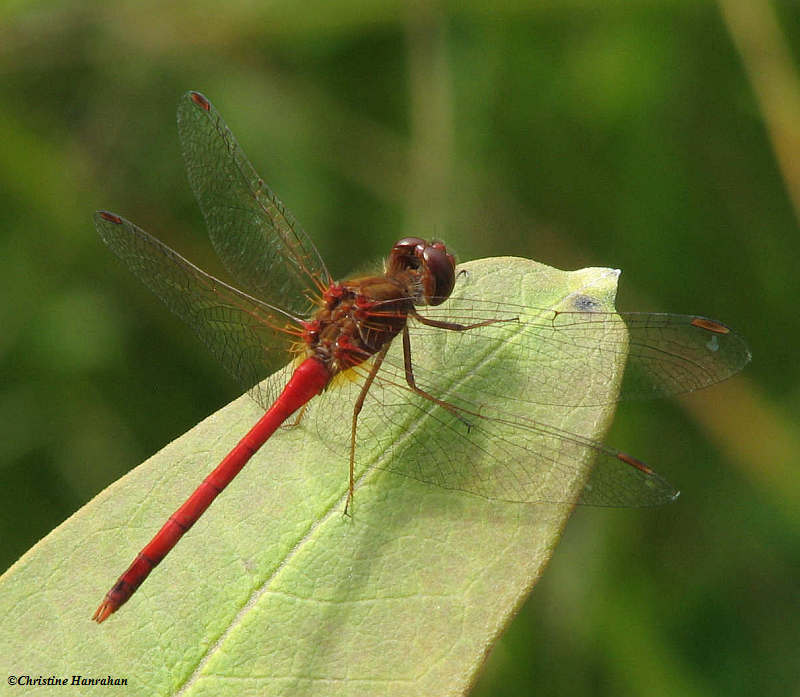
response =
{"points": [[103, 612]]}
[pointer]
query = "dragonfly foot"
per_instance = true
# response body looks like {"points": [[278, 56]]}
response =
{"points": [[348, 506], [463, 419]]}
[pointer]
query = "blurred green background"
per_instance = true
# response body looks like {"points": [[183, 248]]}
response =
{"points": [[662, 138]]}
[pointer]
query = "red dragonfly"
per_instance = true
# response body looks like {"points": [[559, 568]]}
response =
{"points": [[293, 307]]}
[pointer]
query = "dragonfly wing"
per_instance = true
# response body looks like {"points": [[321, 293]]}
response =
{"points": [[673, 354], [246, 335], [664, 354], [480, 449], [258, 240]]}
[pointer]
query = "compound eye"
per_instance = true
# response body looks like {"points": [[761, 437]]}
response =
{"points": [[439, 277], [406, 254], [409, 248], [409, 243]]}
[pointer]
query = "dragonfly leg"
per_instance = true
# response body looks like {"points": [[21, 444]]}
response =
{"points": [[409, 368], [455, 326], [376, 365], [296, 422]]}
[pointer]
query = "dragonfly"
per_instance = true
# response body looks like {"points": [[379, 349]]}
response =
{"points": [[339, 335]]}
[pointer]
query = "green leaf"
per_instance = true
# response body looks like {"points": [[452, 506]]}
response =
{"points": [[274, 591]]}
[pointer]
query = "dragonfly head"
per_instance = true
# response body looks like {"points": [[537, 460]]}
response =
{"points": [[433, 268]]}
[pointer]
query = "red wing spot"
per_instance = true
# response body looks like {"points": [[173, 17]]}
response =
{"points": [[633, 462], [110, 217], [710, 325], [200, 100]]}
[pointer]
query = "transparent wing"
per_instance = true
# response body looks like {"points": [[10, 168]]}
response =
{"points": [[258, 240], [666, 354], [506, 453], [248, 337]]}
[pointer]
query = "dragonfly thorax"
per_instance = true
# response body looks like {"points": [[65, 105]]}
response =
{"points": [[358, 317]]}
